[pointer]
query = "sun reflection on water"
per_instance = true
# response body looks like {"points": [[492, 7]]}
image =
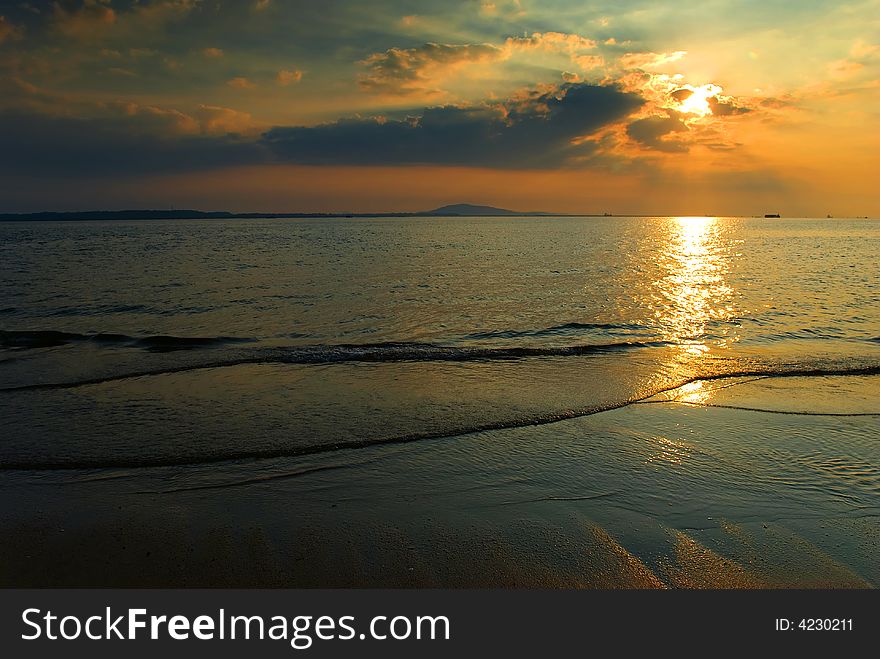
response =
{"points": [[693, 289], [669, 451], [693, 304], [695, 393]]}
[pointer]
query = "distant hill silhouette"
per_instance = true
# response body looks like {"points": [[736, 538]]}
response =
{"points": [[471, 209], [453, 210]]}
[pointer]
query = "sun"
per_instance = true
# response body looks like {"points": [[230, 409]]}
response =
{"points": [[695, 100]]}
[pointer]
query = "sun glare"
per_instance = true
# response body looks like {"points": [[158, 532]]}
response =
{"points": [[694, 289], [697, 101]]}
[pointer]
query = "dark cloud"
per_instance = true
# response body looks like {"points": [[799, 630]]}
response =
{"points": [[536, 131], [8, 30], [84, 19], [49, 146], [724, 108], [651, 132]]}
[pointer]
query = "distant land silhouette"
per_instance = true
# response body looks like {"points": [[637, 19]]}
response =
{"points": [[472, 209], [452, 210]]}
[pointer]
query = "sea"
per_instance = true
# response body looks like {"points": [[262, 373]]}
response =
{"points": [[202, 350]]}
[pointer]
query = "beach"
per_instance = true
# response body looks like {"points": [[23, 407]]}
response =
{"points": [[682, 490]]}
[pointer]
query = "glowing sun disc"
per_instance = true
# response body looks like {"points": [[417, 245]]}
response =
{"points": [[697, 102]]}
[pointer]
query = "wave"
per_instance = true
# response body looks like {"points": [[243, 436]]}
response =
{"points": [[453, 431], [391, 352], [560, 330], [341, 353], [769, 411], [160, 343], [299, 451]]}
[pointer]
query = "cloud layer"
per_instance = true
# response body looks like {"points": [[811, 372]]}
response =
{"points": [[536, 132], [638, 90], [417, 69], [538, 129]]}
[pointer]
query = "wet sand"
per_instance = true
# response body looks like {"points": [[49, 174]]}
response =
{"points": [[693, 488]]}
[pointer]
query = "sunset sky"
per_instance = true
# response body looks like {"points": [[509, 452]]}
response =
{"points": [[668, 107]]}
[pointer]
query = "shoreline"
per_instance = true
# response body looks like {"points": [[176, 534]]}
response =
{"points": [[629, 498]]}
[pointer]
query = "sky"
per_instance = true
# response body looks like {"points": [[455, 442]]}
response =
{"points": [[718, 107]]}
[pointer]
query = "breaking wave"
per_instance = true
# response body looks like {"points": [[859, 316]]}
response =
{"points": [[332, 354], [791, 370], [51, 339]]}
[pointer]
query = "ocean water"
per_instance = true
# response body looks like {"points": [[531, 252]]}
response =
{"points": [[701, 392], [163, 342]]}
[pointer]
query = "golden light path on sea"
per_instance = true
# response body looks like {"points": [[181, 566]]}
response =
{"points": [[693, 290], [693, 298]]}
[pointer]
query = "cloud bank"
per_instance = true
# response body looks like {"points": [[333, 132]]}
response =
{"points": [[537, 132], [536, 129]]}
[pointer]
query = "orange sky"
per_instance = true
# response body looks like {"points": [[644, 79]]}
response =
{"points": [[723, 108]]}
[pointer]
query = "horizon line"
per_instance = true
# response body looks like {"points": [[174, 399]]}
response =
{"points": [[159, 213]]}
